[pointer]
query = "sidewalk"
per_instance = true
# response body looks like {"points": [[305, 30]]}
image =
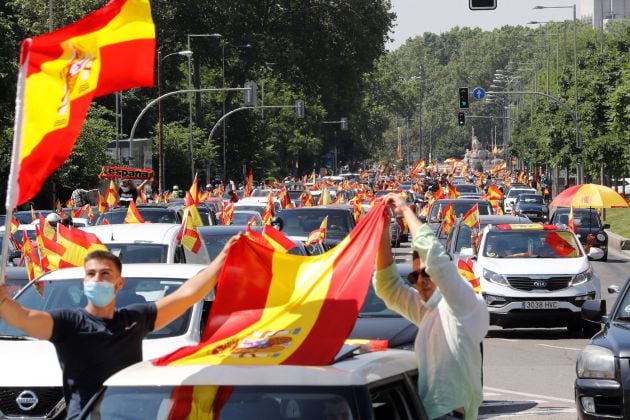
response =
{"points": [[617, 242]]}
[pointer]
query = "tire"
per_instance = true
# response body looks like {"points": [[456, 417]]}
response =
{"points": [[605, 257]]}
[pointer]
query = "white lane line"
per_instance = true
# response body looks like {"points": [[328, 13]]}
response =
{"points": [[525, 394], [559, 347], [508, 403], [509, 339], [541, 413]]}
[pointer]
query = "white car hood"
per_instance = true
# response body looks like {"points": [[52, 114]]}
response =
{"points": [[34, 363], [534, 266]]}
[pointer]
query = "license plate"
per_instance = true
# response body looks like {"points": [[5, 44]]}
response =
{"points": [[534, 304]]}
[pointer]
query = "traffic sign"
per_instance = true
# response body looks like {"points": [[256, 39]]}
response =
{"points": [[479, 93]]}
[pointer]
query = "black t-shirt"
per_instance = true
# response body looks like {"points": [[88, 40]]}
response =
{"points": [[91, 349], [124, 198]]}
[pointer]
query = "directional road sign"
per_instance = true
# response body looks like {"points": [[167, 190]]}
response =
{"points": [[479, 93]]}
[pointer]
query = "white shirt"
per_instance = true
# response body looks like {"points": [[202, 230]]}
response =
{"points": [[449, 335]]}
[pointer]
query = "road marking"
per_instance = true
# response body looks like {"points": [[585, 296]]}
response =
{"points": [[559, 347], [541, 413], [525, 394], [508, 402]]}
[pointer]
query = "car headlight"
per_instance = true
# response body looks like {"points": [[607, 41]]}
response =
{"points": [[583, 277], [596, 362], [493, 277], [601, 237]]}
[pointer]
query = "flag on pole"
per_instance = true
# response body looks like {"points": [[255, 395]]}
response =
{"points": [[249, 185], [268, 212], [319, 234], [571, 221], [449, 219], [227, 211], [290, 309], [471, 218], [188, 235], [465, 269], [133, 215], [111, 196], [61, 72], [194, 192], [33, 267]]}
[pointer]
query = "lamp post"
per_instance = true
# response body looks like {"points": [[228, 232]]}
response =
{"points": [[578, 141], [185, 53], [557, 35]]}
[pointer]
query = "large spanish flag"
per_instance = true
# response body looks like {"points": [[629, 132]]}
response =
{"points": [[61, 72], [276, 308]]}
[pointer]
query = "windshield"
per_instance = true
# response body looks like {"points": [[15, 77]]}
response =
{"points": [[460, 209], [149, 216], [531, 244], [215, 243], [26, 217], [530, 199], [581, 219], [301, 223], [516, 193], [467, 188], [139, 253], [68, 294], [260, 208], [373, 306], [226, 402], [239, 218]]}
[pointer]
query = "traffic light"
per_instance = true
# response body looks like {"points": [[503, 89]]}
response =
{"points": [[299, 109], [461, 119], [463, 97], [482, 4], [250, 93]]}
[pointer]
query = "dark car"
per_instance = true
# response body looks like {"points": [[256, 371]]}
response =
{"points": [[300, 222], [460, 206], [25, 216], [602, 386], [590, 228], [150, 214], [531, 206], [377, 322]]}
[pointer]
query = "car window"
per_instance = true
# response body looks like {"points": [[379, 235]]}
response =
{"points": [[215, 243], [460, 208], [228, 403], [68, 294], [301, 223], [373, 306], [394, 401], [531, 244], [139, 253]]}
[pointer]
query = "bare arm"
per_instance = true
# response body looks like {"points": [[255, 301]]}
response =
{"points": [[37, 324], [384, 256], [401, 208], [193, 290]]}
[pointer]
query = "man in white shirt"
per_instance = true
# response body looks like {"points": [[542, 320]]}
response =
{"points": [[452, 320]]}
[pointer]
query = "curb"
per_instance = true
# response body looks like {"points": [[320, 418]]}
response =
{"points": [[618, 242]]}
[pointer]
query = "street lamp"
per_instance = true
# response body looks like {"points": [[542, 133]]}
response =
{"points": [[185, 53], [190, 118], [578, 141]]}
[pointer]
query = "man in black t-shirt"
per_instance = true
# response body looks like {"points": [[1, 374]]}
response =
{"points": [[97, 341]]}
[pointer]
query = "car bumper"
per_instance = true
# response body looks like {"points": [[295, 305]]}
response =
{"points": [[606, 395]]}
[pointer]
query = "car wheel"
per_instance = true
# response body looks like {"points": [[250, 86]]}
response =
{"points": [[605, 257], [589, 329]]}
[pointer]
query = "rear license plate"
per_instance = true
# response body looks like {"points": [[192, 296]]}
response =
{"points": [[534, 304]]}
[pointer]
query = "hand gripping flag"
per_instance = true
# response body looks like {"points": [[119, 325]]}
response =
{"points": [[61, 72], [319, 234], [277, 308], [133, 215], [471, 218]]}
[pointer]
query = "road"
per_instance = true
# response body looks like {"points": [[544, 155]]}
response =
{"points": [[529, 373]]}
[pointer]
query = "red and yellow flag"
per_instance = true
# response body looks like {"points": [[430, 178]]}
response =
{"points": [[449, 219], [133, 215], [465, 269], [559, 242], [188, 235], [571, 221], [15, 224], [227, 211], [319, 234], [249, 185], [291, 309], [494, 193], [194, 192], [471, 218], [270, 237], [33, 267], [77, 244], [111, 196], [268, 212], [61, 72]]}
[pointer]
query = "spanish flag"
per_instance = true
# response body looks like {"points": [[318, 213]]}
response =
{"points": [[77, 244], [471, 218], [318, 235], [33, 267], [193, 193], [449, 219], [277, 308], [465, 269], [61, 72], [227, 211], [249, 185], [571, 221], [133, 215], [188, 235], [270, 237], [111, 196]]}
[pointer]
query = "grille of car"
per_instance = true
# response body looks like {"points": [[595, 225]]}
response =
{"points": [[46, 407], [547, 283]]}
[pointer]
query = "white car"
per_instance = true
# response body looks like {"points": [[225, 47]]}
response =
{"points": [[512, 195], [534, 275], [375, 385], [147, 243], [31, 381], [258, 204]]}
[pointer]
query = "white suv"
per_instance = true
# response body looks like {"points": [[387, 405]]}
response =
{"points": [[535, 276]]}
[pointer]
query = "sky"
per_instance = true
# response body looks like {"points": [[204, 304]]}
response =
{"points": [[415, 17]]}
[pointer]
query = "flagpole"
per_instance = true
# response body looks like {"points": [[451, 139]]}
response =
{"points": [[12, 183]]}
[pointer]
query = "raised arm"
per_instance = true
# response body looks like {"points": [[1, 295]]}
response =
{"points": [[193, 290], [37, 324]]}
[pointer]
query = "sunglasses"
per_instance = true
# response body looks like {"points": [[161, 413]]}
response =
{"points": [[415, 275]]}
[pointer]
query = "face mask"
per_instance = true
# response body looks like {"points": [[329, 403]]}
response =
{"points": [[125, 189], [100, 293], [433, 301]]}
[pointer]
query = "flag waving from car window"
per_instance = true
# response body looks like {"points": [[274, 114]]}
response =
{"points": [[274, 308]]}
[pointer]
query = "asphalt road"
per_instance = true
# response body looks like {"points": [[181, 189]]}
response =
{"points": [[529, 373]]}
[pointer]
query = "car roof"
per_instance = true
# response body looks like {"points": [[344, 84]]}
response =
{"points": [[492, 219], [224, 229], [153, 270], [358, 370], [161, 233]]}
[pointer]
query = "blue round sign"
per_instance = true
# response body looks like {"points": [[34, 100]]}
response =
{"points": [[479, 93]]}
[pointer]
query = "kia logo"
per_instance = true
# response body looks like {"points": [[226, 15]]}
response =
{"points": [[540, 284], [27, 400]]}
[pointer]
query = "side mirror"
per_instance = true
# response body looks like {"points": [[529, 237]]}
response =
{"points": [[277, 223], [595, 253], [594, 310]]}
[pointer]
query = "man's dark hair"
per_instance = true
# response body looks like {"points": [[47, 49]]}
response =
{"points": [[104, 255]]}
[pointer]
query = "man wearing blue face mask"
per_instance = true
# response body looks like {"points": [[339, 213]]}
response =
{"points": [[97, 341], [452, 320]]}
